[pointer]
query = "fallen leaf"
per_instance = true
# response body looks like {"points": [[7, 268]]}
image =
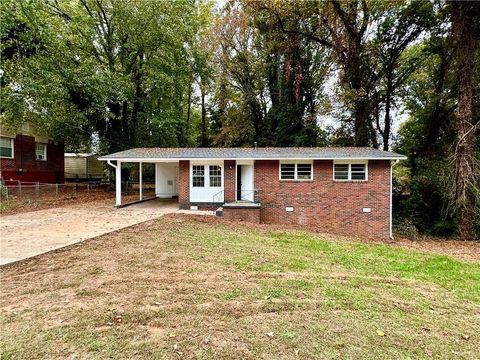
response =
{"points": [[270, 334], [380, 333]]}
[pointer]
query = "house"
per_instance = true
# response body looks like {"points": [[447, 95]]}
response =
{"points": [[82, 166], [28, 155], [341, 190]]}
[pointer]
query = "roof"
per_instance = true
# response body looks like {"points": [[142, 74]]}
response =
{"points": [[261, 153]]}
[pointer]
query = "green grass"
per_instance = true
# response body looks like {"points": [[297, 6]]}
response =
{"points": [[186, 289]]}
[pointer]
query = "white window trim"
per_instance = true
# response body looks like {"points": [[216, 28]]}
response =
{"points": [[205, 169], [221, 176], [295, 162], [349, 163], [45, 147], [12, 142], [207, 174]]}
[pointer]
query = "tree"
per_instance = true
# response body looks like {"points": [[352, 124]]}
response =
{"points": [[399, 27], [466, 37], [119, 69]]}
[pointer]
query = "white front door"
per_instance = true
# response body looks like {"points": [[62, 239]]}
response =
{"points": [[246, 182]]}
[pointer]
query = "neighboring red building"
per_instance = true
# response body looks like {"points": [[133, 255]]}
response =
{"points": [[340, 190], [31, 158]]}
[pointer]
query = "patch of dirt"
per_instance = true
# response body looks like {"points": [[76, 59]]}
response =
{"points": [[81, 196]]}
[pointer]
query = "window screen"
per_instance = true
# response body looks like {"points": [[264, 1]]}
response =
{"points": [[341, 171], [215, 176], [304, 171], [287, 171], [41, 151], [6, 147], [357, 171], [198, 176]]}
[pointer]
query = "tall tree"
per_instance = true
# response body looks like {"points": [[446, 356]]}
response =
{"points": [[399, 27], [116, 67], [466, 37]]}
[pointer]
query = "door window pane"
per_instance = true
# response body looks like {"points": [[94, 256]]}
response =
{"points": [[215, 176], [198, 176]]}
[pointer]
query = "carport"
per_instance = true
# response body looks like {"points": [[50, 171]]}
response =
{"points": [[166, 178]]}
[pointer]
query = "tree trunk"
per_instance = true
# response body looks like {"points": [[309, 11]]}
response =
{"points": [[189, 104], [204, 119], [388, 121], [465, 15]]}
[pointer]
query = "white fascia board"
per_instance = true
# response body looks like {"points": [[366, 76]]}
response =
{"points": [[153, 160]]}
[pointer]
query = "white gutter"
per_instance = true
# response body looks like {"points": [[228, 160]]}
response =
{"points": [[159, 159], [109, 162], [391, 197]]}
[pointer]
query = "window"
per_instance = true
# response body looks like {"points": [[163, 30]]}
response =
{"points": [[304, 171], [296, 171], [40, 151], [287, 171], [341, 171], [6, 147], [198, 176], [357, 171], [215, 172], [351, 171]]}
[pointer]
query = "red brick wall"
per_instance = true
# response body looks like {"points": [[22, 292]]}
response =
{"points": [[229, 179], [25, 167], [184, 184], [242, 214], [332, 206]]}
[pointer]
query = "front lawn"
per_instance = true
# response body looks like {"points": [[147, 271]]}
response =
{"points": [[180, 288]]}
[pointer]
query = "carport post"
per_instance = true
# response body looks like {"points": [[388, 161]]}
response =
{"points": [[140, 180], [118, 184], [118, 181]]}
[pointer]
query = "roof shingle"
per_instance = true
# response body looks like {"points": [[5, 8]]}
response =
{"points": [[271, 153]]}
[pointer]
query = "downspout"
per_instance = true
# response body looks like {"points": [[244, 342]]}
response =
{"points": [[392, 163], [109, 162]]}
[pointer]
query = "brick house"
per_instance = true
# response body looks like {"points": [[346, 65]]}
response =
{"points": [[28, 156], [341, 190]]}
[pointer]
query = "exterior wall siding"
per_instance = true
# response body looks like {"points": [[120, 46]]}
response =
{"points": [[332, 206], [335, 207], [25, 167]]}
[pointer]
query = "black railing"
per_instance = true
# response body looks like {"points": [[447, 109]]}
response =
{"points": [[246, 196], [216, 199], [249, 195]]}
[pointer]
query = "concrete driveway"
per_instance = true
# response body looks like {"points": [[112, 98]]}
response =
{"points": [[28, 234]]}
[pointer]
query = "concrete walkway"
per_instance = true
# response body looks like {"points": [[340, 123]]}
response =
{"points": [[28, 234]]}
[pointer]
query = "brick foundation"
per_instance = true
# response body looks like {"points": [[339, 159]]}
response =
{"points": [[251, 215]]}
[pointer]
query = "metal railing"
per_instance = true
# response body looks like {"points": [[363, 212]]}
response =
{"points": [[219, 197], [247, 196], [250, 195]]}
